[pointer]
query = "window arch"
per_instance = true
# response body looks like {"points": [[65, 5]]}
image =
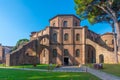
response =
{"points": [[66, 36], [77, 53], [65, 23], [66, 52], [77, 37], [55, 37], [54, 53]]}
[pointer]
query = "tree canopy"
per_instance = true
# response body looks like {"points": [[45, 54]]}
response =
{"points": [[98, 10], [20, 43]]}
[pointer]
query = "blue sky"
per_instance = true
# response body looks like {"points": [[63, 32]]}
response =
{"points": [[18, 18]]}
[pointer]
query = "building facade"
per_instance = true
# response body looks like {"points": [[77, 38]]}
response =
{"points": [[3, 51], [65, 42]]}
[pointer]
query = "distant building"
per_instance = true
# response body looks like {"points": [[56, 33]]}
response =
{"points": [[3, 51], [65, 42]]}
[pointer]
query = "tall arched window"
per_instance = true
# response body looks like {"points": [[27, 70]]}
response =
{"points": [[53, 24], [77, 37], [101, 58], [66, 36], [55, 37], [75, 24], [77, 53], [65, 24], [54, 53], [66, 52], [112, 41]]}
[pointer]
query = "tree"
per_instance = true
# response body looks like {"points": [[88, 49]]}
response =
{"points": [[19, 43], [97, 11]]}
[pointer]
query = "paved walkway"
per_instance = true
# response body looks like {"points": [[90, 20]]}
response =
{"points": [[101, 75], [69, 69]]}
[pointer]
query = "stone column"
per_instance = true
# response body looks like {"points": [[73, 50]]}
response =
{"points": [[7, 60], [84, 45]]}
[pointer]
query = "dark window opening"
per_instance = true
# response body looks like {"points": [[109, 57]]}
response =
{"points": [[77, 53], [65, 24], [66, 52], [66, 37], [76, 24], [77, 37], [55, 37], [112, 41], [53, 24], [54, 53]]}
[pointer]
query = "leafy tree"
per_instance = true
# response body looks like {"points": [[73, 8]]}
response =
{"points": [[97, 11], [20, 43]]}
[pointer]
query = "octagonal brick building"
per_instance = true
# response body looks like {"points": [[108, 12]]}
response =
{"points": [[65, 42]]}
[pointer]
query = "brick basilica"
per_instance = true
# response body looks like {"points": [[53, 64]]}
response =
{"points": [[65, 42]]}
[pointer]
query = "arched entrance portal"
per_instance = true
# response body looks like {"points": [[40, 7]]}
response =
{"points": [[90, 54], [101, 58], [44, 56]]}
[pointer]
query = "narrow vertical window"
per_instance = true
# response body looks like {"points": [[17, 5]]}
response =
{"points": [[112, 41], [77, 37], [66, 52], [77, 53], [65, 24], [55, 37], [76, 24], [54, 53], [53, 24], [65, 36]]}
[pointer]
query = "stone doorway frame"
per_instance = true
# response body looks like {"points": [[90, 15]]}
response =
{"points": [[66, 63]]}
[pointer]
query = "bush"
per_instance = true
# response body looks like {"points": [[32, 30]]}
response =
{"points": [[58, 65]]}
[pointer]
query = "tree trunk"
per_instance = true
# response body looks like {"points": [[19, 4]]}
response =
{"points": [[116, 41]]}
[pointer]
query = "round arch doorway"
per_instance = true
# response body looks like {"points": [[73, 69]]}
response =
{"points": [[90, 54]]}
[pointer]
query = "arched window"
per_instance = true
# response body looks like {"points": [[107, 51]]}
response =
{"points": [[77, 37], [101, 58], [44, 39], [53, 24], [76, 24], [54, 53], [77, 53], [65, 24], [112, 41], [55, 37], [66, 52], [66, 36]]}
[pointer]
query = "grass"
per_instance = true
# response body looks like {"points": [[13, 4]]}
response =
{"points": [[39, 66], [9, 74], [109, 68]]}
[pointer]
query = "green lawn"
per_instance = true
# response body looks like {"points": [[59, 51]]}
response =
{"points": [[112, 69], [109, 68], [39, 66], [9, 74]]}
